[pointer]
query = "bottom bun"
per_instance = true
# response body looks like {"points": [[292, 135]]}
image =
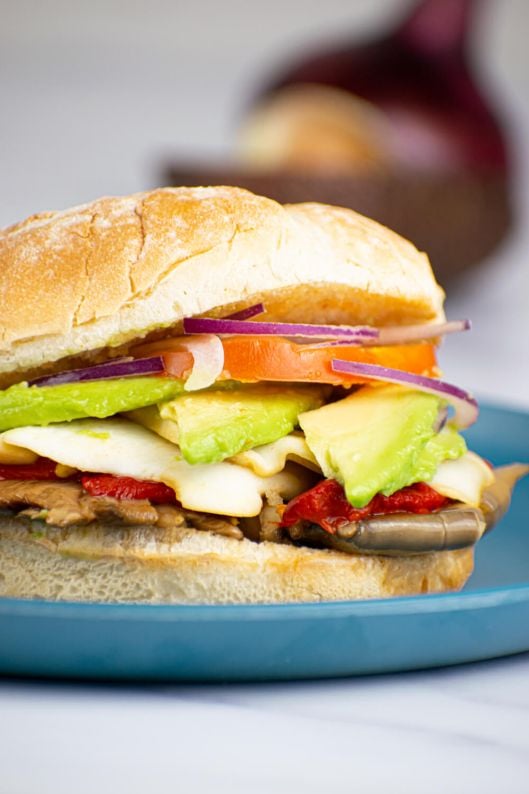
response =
{"points": [[185, 566]]}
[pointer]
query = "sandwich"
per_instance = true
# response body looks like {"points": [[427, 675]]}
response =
{"points": [[207, 397]]}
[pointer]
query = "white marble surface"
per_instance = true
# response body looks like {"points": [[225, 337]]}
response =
{"points": [[103, 101], [462, 729]]}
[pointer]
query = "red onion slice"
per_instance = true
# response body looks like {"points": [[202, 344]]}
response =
{"points": [[465, 406], [118, 368], [201, 325], [208, 360], [398, 335], [245, 314], [317, 334]]}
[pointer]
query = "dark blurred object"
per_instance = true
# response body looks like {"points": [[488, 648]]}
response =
{"points": [[395, 128], [418, 79]]}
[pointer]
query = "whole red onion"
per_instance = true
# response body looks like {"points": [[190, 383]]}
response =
{"points": [[396, 127], [419, 76]]}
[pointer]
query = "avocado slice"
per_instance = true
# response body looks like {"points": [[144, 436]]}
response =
{"points": [[379, 439], [22, 405], [446, 445], [217, 424]]}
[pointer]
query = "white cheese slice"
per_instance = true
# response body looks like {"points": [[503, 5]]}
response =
{"points": [[121, 447], [463, 479], [269, 459]]}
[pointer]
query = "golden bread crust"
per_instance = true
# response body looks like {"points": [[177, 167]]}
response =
{"points": [[142, 564], [104, 274]]}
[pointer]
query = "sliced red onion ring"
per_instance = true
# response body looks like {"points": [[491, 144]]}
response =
{"points": [[465, 406], [245, 314], [317, 334], [399, 335], [201, 325], [118, 368], [208, 360]]}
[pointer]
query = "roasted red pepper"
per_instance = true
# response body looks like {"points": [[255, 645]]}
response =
{"points": [[326, 505], [127, 488], [42, 469]]}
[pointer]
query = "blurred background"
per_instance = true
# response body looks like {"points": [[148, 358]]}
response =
{"points": [[415, 113]]}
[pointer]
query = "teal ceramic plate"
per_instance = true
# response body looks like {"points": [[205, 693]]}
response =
{"points": [[489, 618]]}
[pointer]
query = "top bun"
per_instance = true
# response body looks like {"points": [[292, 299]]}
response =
{"points": [[102, 275]]}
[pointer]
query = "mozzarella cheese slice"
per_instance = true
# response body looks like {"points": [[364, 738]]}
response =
{"points": [[123, 448], [463, 479], [269, 459]]}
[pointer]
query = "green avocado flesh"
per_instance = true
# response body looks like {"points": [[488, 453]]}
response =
{"points": [[217, 424], [42, 405], [446, 445], [379, 439]]}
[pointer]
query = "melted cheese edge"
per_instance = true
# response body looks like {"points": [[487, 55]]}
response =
{"points": [[463, 479], [269, 459]]}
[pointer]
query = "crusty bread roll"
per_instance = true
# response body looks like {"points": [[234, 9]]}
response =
{"points": [[104, 274], [91, 280], [142, 564], [312, 128]]}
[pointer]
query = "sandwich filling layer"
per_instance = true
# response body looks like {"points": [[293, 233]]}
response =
{"points": [[279, 441]]}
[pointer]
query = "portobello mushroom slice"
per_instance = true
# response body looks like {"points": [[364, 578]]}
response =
{"points": [[454, 527]]}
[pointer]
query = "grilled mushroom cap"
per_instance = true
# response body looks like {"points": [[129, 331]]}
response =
{"points": [[454, 527]]}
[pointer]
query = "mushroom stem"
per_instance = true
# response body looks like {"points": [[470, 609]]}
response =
{"points": [[496, 498]]}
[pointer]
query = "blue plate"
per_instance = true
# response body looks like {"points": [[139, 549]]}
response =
{"points": [[489, 618]]}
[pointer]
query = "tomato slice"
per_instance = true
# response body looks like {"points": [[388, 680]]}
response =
{"points": [[271, 358], [326, 505]]}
